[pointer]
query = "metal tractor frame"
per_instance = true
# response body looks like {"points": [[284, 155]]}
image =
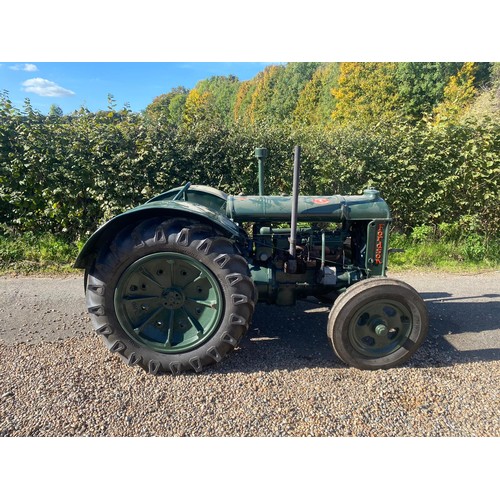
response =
{"points": [[172, 285]]}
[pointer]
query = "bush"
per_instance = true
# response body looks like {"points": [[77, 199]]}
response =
{"points": [[66, 175]]}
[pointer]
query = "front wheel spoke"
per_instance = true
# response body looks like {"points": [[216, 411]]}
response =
{"points": [[194, 322], [169, 274], [136, 298], [200, 277]]}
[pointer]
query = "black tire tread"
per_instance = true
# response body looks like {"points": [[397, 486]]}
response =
{"points": [[344, 302], [156, 234]]}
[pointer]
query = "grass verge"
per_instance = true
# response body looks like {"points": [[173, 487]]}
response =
{"points": [[471, 253], [45, 255], [29, 254]]}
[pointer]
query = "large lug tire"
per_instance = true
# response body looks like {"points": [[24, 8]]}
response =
{"points": [[377, 323], [170, 296]]}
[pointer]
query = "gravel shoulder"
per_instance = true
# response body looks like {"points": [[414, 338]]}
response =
{"points": [[57, 379]]}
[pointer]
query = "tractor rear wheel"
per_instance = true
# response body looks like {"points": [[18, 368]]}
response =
{"points": [[377, 323], [170, 296]]}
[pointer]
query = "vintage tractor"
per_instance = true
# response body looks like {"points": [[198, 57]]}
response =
{"points": [[171, 285]]}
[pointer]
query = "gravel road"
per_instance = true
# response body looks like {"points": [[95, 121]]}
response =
{"points": [[57, 379]]}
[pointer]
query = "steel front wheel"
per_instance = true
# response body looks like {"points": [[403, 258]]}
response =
{"points": [[377, 323], [170, 295]]}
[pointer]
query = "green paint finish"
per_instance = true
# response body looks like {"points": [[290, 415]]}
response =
{"points": [[265, 281], [336, 208], [209, 197], [380, 327], [261, 155], [169, 302], [376, 247], [163, 208], [277, 287]]}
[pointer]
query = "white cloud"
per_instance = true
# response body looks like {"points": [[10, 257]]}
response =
{"points": [[30, 67], [24, 67], [45, 88]]}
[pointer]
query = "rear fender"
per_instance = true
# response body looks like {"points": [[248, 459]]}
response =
{"points": [[168, 210]]}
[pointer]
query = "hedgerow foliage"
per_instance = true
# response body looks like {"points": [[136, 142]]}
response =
{"points": [[435, 158]]}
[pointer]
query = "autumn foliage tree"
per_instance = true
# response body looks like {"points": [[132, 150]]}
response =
{"points": [[366, 94], [222, 91], [459, 94], [169, 107], [316, 102]]}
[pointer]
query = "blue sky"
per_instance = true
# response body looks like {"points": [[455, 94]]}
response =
{"points": [[70, 85], [222, 30]]}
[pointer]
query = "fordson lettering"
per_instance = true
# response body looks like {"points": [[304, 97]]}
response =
{"points": [[379, 248]]}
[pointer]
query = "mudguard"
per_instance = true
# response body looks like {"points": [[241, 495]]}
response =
{"points": [[162, 208]]}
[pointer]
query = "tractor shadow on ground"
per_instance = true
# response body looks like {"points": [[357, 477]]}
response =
{"points": [[461, 330]]}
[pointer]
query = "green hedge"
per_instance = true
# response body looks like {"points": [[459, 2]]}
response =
{"points": [[66, 175]]}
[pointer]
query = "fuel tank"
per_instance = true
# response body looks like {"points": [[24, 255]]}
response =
{"points": [[368, 206]]}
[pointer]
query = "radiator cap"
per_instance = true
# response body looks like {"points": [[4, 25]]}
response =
{"points": [[372, 193]]}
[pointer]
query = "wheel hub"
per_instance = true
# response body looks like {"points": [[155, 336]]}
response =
{"points": [[173, 299], [380, 327]]}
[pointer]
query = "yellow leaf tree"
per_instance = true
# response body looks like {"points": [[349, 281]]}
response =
{"points": [[196, 107], [316, 102], [366, 94], [459, 95]]}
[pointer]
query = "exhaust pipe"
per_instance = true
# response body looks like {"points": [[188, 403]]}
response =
{"points": [[261, 154], [295, 204]]}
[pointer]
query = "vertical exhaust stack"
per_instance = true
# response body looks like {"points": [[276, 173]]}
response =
{"points": [[292, 263], [261, 154]]}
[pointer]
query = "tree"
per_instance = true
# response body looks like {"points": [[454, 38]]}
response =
{"points": [[315, 103], [261, 105], [222, 95], [55, 111], [486, 105], [421, 85], [458, 95], [254, 96], [273, 94], [366, 94], [169, 107], [287, 88], [244, 100], [197, 107]]}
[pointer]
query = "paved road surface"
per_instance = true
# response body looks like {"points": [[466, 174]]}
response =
{"points": [[464, 316], [57, 378]]}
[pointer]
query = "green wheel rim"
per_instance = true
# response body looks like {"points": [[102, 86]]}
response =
{"points": [[380, 328], [169, 302]]}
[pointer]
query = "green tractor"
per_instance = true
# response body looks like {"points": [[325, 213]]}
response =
{"points": [[172, 285]]}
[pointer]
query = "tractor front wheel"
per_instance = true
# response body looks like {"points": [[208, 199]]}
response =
{"points": [[377, 323]]}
